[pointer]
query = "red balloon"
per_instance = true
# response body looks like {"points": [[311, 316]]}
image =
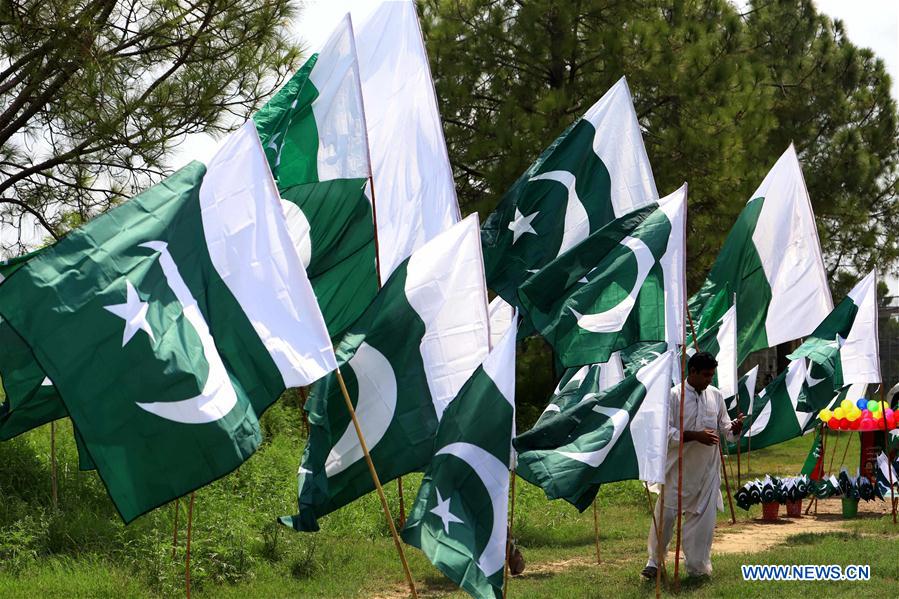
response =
{"points": [[833, 423], [867, 424], [845, 425], [854, 424]]}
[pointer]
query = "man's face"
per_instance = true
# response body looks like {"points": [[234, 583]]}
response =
{"points": [[700, 379]]}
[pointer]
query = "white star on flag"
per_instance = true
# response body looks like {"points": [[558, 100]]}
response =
{"points": [[133, 312], [522, 224], [442, 511]]}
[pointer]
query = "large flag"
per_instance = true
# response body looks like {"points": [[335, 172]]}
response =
{"points": [[459, 517], [620, 434], [772, 261], [775, 415], [313, 131], [185, 313], [595, 172], [583, 384], [404, 360], [618, 287], [414, 192], [721, 342], [846, 342]]}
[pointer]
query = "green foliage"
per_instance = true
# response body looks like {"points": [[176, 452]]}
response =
{"points": [[97, 93], [720, 96]]}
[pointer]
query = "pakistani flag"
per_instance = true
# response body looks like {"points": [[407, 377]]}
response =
{"points": [[185, 313], [721, 342], [741, 403], [775, 415], [772, 261], [619, 434], [622, 285], [583, 384], [459, 518], [847, 339], [403, 361], [314, 134], [595, 172]]}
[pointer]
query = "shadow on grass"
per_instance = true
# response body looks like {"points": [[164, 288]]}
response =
{"points": [[810, 538]]}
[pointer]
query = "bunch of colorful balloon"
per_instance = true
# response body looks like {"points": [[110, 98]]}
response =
{"points": [[863, 415]]}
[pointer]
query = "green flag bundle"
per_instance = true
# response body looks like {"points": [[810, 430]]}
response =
{"points": [[772, 261], [403, 361], [620, 434], [185, 313], [459, 518], [624, 284], [595, 172], [314, 134]]}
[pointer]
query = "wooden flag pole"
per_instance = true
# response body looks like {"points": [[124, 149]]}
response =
{"points": [[596, 531], [54, 488], [175, 533], [680, 470], [823, 454], [377, 481], [305, 395], [846, 451], [190, 519], [730, 501], [886, 442], [661, 551], [509, 533], [399, 491], [655, 525], [739, 442]]}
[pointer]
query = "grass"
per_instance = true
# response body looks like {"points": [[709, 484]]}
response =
{"points": [[83, 550]]}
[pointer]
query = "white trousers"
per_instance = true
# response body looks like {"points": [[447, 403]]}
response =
{"points": [[696, 538]]}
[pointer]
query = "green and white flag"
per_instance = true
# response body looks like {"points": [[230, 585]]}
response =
{"points": [[622, 285], [314, 134], [459, 519], [185, 312], [847, 339], [774, 415], [741, 403], [620, 434], [403, 361], [772, 261], [582, 384], [595, 172], [721, 342]]}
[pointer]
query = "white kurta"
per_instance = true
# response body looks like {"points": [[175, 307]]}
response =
{"points": [[701, 488]]}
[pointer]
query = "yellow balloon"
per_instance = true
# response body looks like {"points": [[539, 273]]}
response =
{"points": [[838, 413], [847, 406], [854, 415], [825, 415]]}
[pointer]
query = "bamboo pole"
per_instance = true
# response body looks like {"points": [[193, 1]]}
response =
{"points": [[54, 486], [886, 443], [175, 532], [399, 491], [846, 451], [730, 501], [190, 518], [377, 481], [509, 532], [739, 442], [596, 531], [660, 557], [680, 470]]}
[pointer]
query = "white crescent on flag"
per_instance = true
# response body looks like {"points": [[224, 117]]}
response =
{"points": [[577, 223], [218, 396], [612, 320], [619, 418]]}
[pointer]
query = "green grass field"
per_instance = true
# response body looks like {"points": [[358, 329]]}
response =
{"points": [[83, 550]]}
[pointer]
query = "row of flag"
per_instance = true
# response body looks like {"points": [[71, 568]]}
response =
{"points": [[325, 234]]}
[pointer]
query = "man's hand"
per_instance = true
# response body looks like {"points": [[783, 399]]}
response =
{"points": [[737, 425], [706, 437]]}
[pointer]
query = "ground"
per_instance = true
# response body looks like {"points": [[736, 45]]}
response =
{"points": [[82, 550]]}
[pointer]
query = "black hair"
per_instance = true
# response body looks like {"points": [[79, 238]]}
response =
{"points": [[701, 361]]}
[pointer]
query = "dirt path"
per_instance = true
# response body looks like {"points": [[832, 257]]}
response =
{"points": [[755, 535]]}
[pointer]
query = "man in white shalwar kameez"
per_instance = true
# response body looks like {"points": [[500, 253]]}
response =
{"points": [[705, 414]]}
